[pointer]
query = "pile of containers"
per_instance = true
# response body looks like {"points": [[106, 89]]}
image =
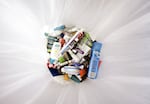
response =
{"points": [[73, 54]]}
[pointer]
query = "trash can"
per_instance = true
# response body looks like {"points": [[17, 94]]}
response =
{"points": [[121, 25]]}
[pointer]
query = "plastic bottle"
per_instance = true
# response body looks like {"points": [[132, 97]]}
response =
{"points": [[94, 61]]}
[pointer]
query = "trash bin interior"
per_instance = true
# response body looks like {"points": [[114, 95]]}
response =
{"points": [[121, 25]]}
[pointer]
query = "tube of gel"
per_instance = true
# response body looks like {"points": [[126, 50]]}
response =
{"points": [[94, 61]]}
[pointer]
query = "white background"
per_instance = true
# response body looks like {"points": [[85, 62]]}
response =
{"points": [[123, 26]]}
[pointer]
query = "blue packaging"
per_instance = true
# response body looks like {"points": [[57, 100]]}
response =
{"points": [[94, 61], [61, 27]]}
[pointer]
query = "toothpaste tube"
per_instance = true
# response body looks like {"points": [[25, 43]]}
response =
{"points": [[94, 61], [70, 70], [66, 46]]}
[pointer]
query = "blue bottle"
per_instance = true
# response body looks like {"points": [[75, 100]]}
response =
{"points": [[94, 61]]}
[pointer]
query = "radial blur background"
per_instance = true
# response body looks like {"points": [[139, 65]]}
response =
{"points": [[123, 26]]}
